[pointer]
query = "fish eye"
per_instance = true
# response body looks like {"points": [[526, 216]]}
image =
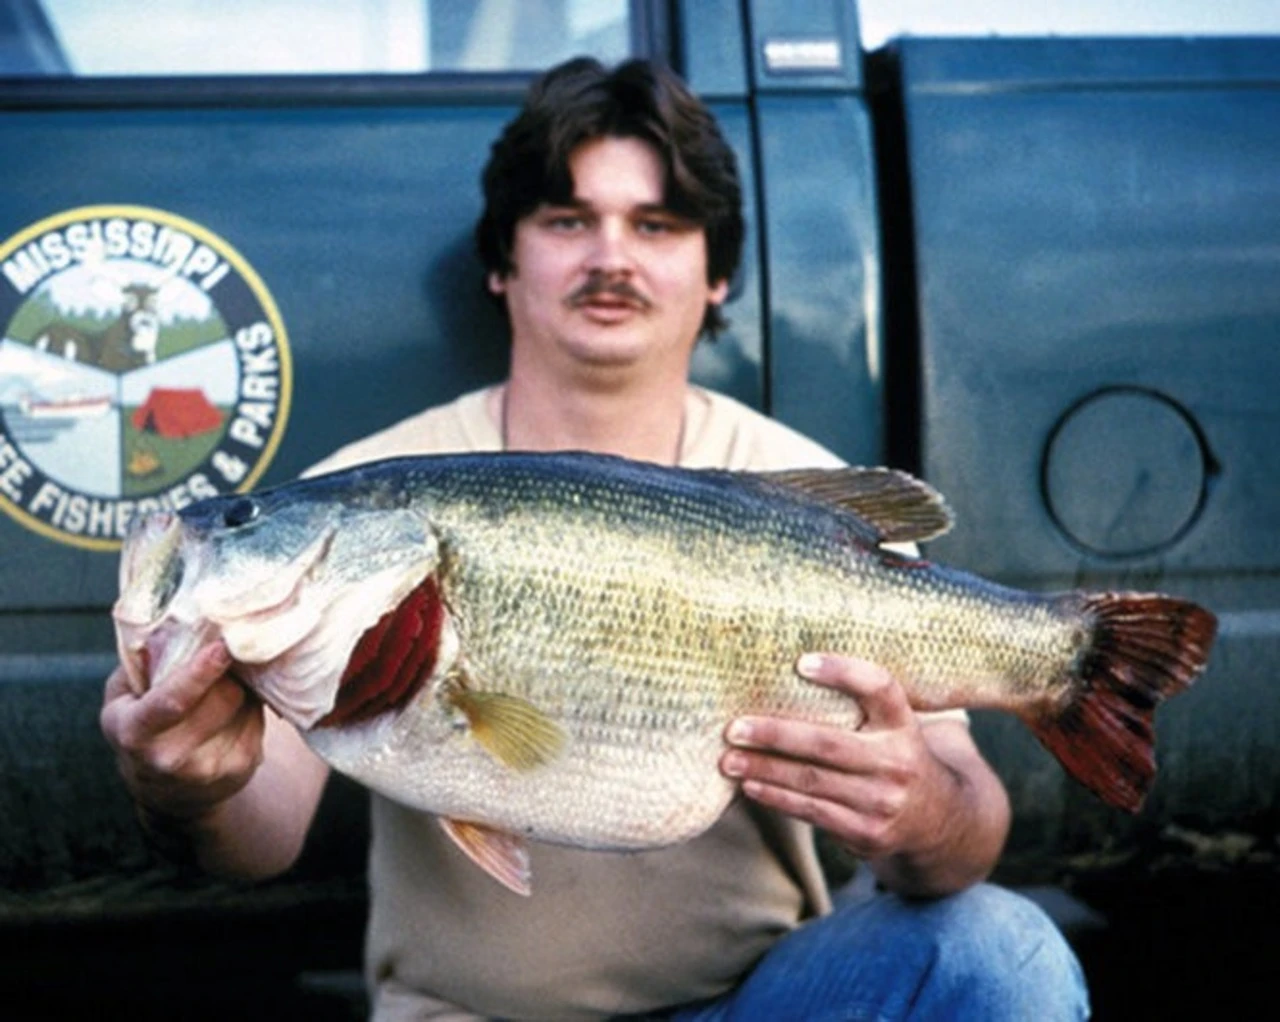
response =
{"points": [[241, 512]]}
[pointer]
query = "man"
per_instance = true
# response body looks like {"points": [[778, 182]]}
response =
{"points": [[611, 228]]}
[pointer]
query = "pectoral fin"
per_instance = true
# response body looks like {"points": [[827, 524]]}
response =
{"points": [[504, 856], [511, 729]]}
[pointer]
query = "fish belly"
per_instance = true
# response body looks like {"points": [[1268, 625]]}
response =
{"points": [[611, 787]]}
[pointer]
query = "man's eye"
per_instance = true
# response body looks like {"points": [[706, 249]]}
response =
{"points": [[654, 227], [565, 222]]}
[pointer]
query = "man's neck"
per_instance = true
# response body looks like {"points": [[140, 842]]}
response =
{"points": [[643, 420]]}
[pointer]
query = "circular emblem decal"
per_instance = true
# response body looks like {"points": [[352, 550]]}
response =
{"points": [[143, 366]]}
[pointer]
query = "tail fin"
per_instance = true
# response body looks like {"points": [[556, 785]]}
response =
{"points": [[1145, 648]]}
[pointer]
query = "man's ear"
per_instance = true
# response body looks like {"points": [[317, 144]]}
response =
{"points": [[719, 292], [497, 283]]}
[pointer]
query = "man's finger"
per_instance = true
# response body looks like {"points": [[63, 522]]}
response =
{"points": [[161, 708], [117, 685], [863, 834], [223, 762], [825, 744], [223, 710], [804, 777], [877, 692]]}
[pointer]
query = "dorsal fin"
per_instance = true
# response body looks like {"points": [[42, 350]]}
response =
{"points": [[897, 505]]}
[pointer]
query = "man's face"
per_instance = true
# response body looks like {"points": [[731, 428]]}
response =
{"points": [[613, 279]]}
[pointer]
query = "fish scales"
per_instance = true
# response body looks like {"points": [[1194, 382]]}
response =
{"points": [[602, 644], [623, 647], [587, 627]]}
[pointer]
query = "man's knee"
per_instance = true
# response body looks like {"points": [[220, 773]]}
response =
{"points": [[999, 955], [985, 953]]}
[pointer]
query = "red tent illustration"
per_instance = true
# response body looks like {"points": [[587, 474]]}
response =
{"points": [[177, 412]]}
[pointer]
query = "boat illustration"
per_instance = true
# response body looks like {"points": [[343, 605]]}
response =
{"points": [[65, 408]]}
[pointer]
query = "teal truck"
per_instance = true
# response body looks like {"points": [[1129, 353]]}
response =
{"points": [[1044, 273]]}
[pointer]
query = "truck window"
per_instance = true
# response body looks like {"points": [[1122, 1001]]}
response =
{"points": [[882, 20], [87, 38]]}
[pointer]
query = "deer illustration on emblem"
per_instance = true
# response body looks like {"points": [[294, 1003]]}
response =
{"points": [[127, 343]]}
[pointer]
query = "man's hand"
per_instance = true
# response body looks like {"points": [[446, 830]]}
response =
{"points": [[874, 788], [916, 800], [188, 745]]}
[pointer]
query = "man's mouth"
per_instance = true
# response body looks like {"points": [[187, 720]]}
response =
{"points": [[608, 297]]}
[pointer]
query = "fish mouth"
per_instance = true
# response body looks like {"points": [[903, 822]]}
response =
{"points": [[325, 633], [392, 660], [165, 615], [151, 571]]}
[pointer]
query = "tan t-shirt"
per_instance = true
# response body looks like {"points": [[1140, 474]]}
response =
{"points": [[603, 933]]}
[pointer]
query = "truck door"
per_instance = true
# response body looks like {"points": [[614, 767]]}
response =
{"points": [[1097, 244], [234, 237]]}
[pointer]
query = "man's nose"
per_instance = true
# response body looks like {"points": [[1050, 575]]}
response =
{"points": [[611, 252]]}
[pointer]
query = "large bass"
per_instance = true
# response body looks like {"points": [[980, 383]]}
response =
{"points": [[549, 646]]}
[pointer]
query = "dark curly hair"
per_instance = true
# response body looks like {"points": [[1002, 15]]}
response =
{"points": [[581, 100]]}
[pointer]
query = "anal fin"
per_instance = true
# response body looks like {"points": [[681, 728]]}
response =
{"points": [[503, 855]]}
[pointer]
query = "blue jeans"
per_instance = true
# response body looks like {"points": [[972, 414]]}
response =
{"points": [[985, 954]]}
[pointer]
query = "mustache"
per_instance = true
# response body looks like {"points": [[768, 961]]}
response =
{"points": [[598, 285]]}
